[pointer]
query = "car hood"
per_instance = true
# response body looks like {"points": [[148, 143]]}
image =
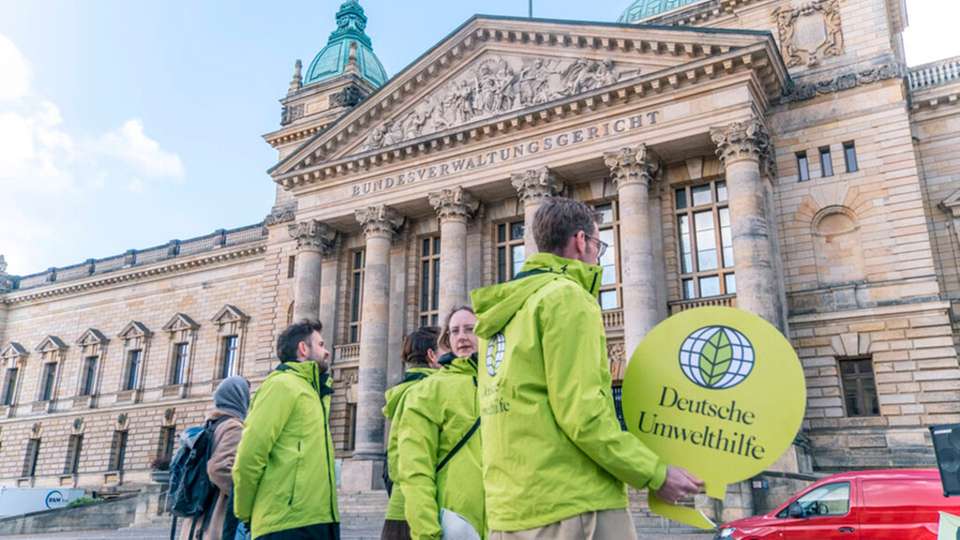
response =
{"points": [[751, 523]]}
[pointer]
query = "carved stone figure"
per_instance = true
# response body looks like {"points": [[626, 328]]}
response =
{"points": [[821, 35], [495, 86]]}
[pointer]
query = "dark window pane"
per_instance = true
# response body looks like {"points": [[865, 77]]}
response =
{"points": [[229, 368], [516, 231], [425, 286], [89, 376], [9, 385], [501, 264], [826, 162], [436, 245], [606, 213], [49, 377], [681, 198], [702, 195], [850, 156], [803, 166], [435, 302], [133, 366], [502, 232], [425, 248]]}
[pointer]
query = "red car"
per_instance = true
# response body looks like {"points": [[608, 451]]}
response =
{"points": [[865, 505]]}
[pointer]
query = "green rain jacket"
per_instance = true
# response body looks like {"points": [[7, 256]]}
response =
{"points": [[552, 444], [438, 412], [283, 476], [394, 408]]}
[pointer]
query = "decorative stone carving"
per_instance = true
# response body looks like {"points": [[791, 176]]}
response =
{"points": [[951, 205], [348, 97], [169, 417], [314, 235], [748, 139], [281, 214], [296, 83], [78, 426], [632, 165], [497, 85], [36, 430], [291, 113], [809, 32], [454, 204], [13, 355], [379, 220], [535, 184], [845, 81], [617, 355], [123, 420]]}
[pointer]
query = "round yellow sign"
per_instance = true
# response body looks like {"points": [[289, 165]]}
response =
{"points": [[717, 391]]}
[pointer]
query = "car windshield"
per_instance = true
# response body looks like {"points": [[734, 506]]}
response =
{"points": [[828, 500]]}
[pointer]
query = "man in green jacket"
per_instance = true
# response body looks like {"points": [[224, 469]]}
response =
{"points": [[555, 459], [283, 477]]}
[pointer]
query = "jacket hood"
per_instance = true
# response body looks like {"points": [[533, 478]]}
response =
{"points": [[394, 396], [496, 305], [309, 372]]}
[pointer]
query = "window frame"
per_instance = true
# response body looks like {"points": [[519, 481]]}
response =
{"points": [[118, 450], [803, 166], [88, 377], [429, 314], [690, 211], [228, 360], [850, 158], [355, 295], [859, 391], [617, 285], [10, 380], [74, 449], [507, 245], [131, 373], [48, 382], [826, 162], [179, 363], [32, 457]]}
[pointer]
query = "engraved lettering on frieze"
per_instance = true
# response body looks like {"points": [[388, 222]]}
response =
{"points": [[809, 32], [495, 86], [510, 153]]}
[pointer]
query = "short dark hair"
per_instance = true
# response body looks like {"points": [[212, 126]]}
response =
{"points": [[295, 334], [559, 218], [417, 343]]}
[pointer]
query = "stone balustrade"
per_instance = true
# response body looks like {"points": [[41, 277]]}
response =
{"points": [[729, 300], [935, 74]]}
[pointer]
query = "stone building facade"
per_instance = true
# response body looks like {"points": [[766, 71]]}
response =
{"points": [[774, 155]]}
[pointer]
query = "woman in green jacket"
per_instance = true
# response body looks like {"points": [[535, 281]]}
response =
{"points": [[439, 443], [420, 355]]}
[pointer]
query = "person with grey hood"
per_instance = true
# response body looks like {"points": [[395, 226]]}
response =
{"points": [[230, 403]]}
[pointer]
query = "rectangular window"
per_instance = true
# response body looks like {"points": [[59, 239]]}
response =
{"points": [[9, 386], [859, 386], [803, 166], [429, 281], [510, 251], [74, 447], [357, 263], [826, 162], [850, 156], [168, 437], [350, 443], [30, 461], [49, 379], [118, 450], [133, 369], [291, 266], [228, 368], [704, 241], [89, 374], [610, 234], [178, 369]]}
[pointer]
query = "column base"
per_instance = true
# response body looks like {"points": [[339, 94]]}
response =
{"points": [[362, 475]]}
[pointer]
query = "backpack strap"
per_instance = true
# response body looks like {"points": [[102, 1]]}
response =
{"points": [[463, 442]]}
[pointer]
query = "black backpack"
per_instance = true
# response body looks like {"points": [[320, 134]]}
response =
{"points": [[191, 493]]}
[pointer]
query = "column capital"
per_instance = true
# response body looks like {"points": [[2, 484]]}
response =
{"points": [[454, 204], [379, 220], [745, 140], [638, 165], [534, 185], [314, 235]]}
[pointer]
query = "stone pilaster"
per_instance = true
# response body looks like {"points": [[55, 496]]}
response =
{"points": [[380, 224], [454, 208], [745, 150], [314, 240], [329, 291], [634, 170], [533, 186]]}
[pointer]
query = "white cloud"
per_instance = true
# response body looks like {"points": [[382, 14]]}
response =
{"points": [[131, 145], [15, 70]]}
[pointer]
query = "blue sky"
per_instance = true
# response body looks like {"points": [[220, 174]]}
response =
{"points": [[125, 124]]}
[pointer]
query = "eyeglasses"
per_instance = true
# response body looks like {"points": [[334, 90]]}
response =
{"points": [[602, 246]]}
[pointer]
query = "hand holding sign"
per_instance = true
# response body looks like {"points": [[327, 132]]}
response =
{"points": [[717, 391]]}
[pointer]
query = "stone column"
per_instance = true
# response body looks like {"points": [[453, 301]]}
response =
{"points": [[633, 171], [533, 186], [329, 291], [745, 151], [454, 208], [380, 224], [313, 240]]}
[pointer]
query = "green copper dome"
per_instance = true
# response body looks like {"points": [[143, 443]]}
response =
{"points": [[642, 9], [334, 59]]}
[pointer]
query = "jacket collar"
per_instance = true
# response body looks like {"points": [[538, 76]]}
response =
{"points": [[310, 373], [586, 275]]}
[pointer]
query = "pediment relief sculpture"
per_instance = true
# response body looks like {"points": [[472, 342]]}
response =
{"points": [[809, 32], [495, 86]]}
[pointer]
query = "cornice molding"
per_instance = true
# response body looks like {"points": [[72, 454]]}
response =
{"points": [[173, 266]]}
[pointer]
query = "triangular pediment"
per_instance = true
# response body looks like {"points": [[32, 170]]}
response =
{"points": [[134, 329], [180, 322], [504, 71], [51, 344], [92, 337], [229, 314], [13, 351]]}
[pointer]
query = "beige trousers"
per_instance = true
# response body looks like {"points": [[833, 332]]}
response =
{"points": [[605, 525]]}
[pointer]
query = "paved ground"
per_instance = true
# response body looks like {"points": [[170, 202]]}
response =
{"points": [[368, 532]]}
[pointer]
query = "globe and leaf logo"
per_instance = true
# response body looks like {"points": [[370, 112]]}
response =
{"points": [[717, 357]]}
